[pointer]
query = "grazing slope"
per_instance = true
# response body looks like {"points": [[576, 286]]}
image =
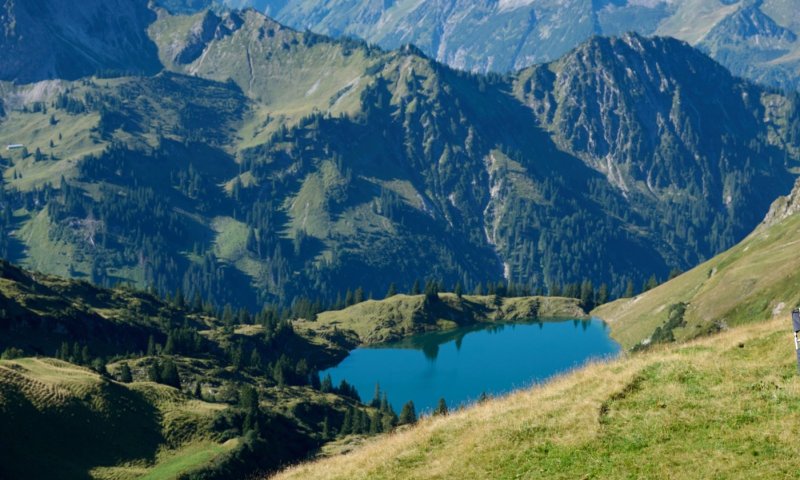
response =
{"points": [[755, 280], [377, 321], [89, 425], [724, 407], [96, 423]]}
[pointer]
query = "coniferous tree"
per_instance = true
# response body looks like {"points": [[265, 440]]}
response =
{"points": [[327, 384], [347, 423], [255, 359], [314, 380], [376, 399], [348, 298], [375, 423], [415, 289], [99, 366], [169, 374], [602, 294], [408, 415], [629, 289], [441, 407], [86, 358], [587, 295], [326, 428], [154, 373], [392, 290], [125, 375], [358, 297], [151, 346]]}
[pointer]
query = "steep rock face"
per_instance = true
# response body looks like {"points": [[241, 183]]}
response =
{"points": [[666, 124], [783, 207], [44, 39]]}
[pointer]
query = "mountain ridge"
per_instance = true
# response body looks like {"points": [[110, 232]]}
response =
{"points": [[515, 35], [330, 160]]}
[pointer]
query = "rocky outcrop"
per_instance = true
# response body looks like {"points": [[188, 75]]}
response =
{"points": [[783, 207]]}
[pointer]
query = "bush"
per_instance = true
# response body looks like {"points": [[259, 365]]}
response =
{"points": [[11, 353]]}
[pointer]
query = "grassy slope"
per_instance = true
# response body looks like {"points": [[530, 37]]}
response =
{"points": [[711, 408], [164, 432], [753, 281], [92, 423], [376, 321]]}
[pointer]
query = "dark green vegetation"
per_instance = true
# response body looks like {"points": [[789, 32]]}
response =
{"points": [[754, 39], [264, 165], [147, 387], [198, 392]]}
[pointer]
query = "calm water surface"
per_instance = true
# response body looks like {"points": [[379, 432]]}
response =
{"points": [[461, 364]]}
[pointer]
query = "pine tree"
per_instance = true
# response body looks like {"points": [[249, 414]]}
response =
{"points": [[459, 291], [86, 358], [358, 297], [347, 423], [99, 366], [125, 375], [408, 414], [348, 298], [441, 407], [255, 359], [389, 419], [587, 295], [376, 399], [392, 290], [198, 391], [602, 294], [415, 288], [169, 347], [154, 373], [629, 289], [169, 374], [375, 423], [151, 346], [326, 428], [327, 384]]}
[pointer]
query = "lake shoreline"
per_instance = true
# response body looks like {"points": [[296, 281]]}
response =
{"points": [[376, 322], [489, 357]]}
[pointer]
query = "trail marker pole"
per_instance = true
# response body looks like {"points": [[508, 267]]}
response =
{"points": [[796, 326]]}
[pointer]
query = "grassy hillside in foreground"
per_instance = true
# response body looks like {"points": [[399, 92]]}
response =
{"points": [[165, 395], [94, 424], [726, 406], [377, 321], [753, 281]]}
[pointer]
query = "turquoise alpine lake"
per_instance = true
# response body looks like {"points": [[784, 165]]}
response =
{"points": [[461, 364]]}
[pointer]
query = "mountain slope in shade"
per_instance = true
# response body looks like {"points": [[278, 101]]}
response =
{"points": [[49, 39]]}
